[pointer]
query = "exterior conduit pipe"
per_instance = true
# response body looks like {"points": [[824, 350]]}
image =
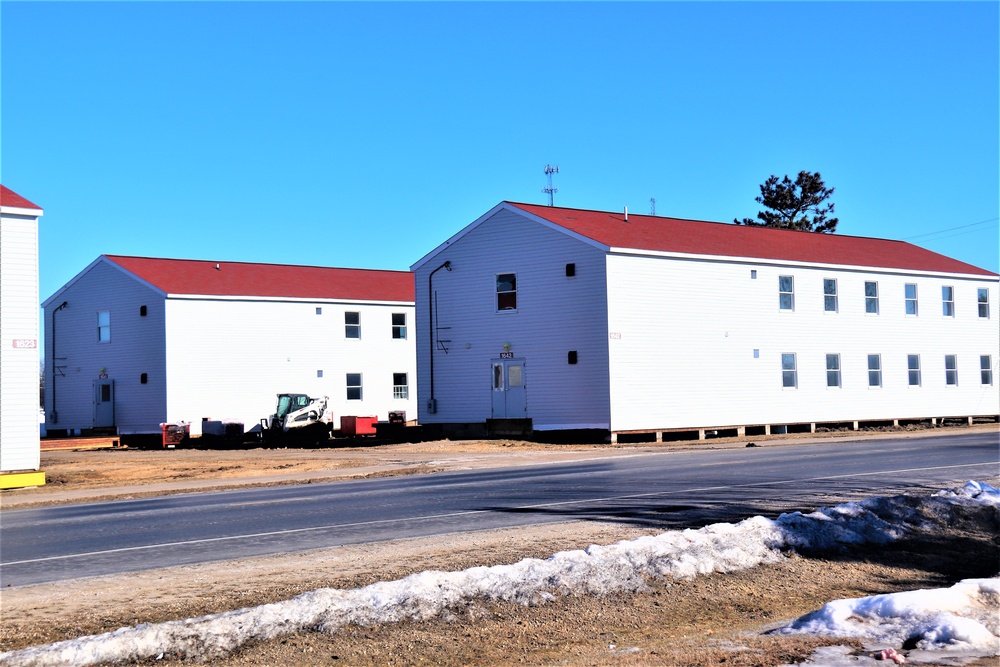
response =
{"points": [[55, 415], [432, 403]]}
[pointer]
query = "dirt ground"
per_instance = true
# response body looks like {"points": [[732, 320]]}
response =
{"points": [[718, 619]]}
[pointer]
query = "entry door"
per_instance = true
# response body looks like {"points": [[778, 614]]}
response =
{"points": [[104, 403], [509, 401]]}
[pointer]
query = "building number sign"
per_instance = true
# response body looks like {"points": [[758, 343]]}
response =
{"points": [[506, 355]]}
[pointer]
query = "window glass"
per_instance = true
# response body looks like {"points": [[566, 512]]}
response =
{"points": [[352, 325], [788, 373], [514, 376], [830, 295], [874, 370], [950, 369], [913, 369], [498, 377], [948, 301], [507, 291], [871, 297], [911, 299], [984, 302], [986, 369], [354, 386], [104, 326], [400, 388], [399, 325], [786, 293], [833, 370]]}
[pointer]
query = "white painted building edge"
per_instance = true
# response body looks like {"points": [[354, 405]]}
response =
{"points": [[19, 211]]}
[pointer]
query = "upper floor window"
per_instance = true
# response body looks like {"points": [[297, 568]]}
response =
{"points": [[871, 297], [506, 291], [104, 326], [400, 387], [399, 325], [911, 298], [786, 292], [913, 369], [874, 370], [948, 301], [830, 295], [986, 369], [352, 325], [950, 369], [833, 370], [789, 374], [984, 302]]}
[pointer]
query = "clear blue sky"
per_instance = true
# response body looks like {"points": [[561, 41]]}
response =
{"points": [[364, 134]]}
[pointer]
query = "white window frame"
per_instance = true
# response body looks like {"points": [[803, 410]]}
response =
{"points": [[401, 391], [947, 301], [834, 372], [951, 370], [911, 303], [831, 303], [104, 326], [786, 293], [358, 386], [789, 371], [983, 302], [398, 330], [986, 369], [871, 300], [875, 371], [913, 370], [352, 330], [513, 291]]}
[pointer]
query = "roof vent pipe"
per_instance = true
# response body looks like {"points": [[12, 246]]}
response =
{"points": [[217, 268], [626, 214]]}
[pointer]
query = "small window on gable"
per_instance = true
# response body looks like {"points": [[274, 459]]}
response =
{"points": [[399, 325], [104, 326], [142, 311], [319, 373], [911, 298], [319, 310], [753, 274], [786, 292], [506, 291], [352, 325], [143, 378], [871, 297], [571, 357], [570, 270]]}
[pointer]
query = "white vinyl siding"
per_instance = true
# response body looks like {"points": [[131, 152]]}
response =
{"points": [[555, 313], [19, 344]]}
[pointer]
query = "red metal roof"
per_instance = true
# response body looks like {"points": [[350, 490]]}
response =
{"points": [[190, 276], [10, 198], [645, 232]]}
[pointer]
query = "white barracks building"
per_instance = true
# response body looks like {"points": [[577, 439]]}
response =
{"points": [[133, 342], [634, 324], [20, 453]]}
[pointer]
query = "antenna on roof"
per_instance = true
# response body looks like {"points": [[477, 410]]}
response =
{"points": [[549, 170], [652, 205]]}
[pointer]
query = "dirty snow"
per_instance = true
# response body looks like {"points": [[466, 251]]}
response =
{"points": [[962, 617]]}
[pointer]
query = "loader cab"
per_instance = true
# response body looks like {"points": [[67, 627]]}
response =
{"points": [[290, 403]]}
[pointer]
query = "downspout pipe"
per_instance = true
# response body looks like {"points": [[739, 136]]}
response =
{"points": [[55, 414], [432, 403]]}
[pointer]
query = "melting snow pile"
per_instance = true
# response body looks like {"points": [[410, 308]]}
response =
{"points": [[622, 567]]}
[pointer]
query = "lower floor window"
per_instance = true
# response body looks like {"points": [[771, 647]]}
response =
{"points": [[354, 386], [986, 369], [833, 370], [874, 370], [400, 387], [913, 369], [950, 369], [788, 373]]}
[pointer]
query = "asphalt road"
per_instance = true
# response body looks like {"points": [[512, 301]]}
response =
{"points": [[666, 490]]}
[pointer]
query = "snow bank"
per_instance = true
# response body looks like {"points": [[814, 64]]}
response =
{"points": [[963, 617], [622, 567]]}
